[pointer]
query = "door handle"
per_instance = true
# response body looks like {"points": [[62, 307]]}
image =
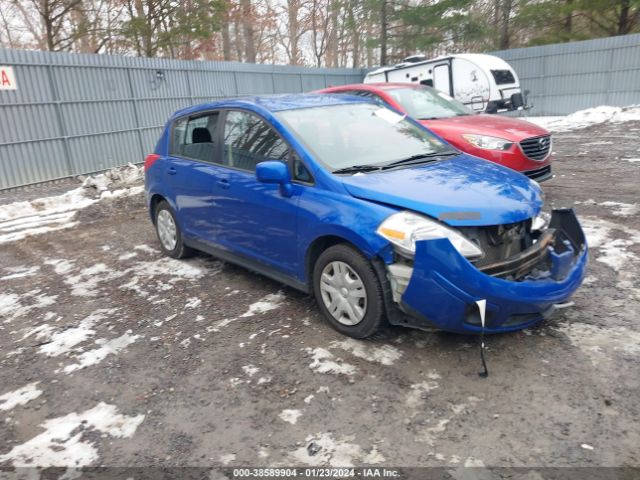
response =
{"points": [[224, 183], [171, 171]]}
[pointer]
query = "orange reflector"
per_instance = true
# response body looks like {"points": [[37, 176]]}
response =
{"points": [[392, 233]]}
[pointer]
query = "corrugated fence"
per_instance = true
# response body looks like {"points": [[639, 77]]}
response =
{"points": [[73, 114], [567, 77]]}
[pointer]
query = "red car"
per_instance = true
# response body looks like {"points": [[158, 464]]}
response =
{"points": [[511, 142]]}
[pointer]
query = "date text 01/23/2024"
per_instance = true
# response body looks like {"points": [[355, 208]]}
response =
{"points": [[293, 473]]}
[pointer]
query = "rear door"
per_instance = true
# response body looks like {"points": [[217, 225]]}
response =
{"points": [[194, 172], [254, 218]]}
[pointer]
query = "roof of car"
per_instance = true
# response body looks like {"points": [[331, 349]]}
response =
{"points": [[275, 103]]}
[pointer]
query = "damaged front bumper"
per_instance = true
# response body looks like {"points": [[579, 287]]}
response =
{"points": [[443, 286]]}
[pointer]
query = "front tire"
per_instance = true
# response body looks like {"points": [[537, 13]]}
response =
{"points": [[169, 233], [348, 291]]}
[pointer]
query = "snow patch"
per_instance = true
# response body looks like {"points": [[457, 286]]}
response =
{"points": [[227, 458], [64, 341], [265, 304], [60, 266], [21, 396], [415, 397], [250, 370], [193, 302], [615, 254], [85, 283], [19, 220], [596, 342], [19, 272], [473, 462], [290, 416], [147, 249], [613, 251], [178, 270], [586, 118], [385, 355], [107, 347], [335, 453], [63, 443], [325, 362], [622, 209], [13, 306]]}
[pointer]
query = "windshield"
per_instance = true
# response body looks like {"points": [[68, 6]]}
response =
{"points": [[341, 136], [427, 103]]}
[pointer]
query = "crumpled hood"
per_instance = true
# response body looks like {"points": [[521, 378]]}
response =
{"points": [[461, 191]]}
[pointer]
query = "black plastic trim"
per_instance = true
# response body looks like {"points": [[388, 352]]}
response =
{"points": [[244, 262]]}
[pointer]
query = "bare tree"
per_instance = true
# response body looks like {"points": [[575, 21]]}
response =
{"points": [[248, 18], [292, 27], [319, 21]]}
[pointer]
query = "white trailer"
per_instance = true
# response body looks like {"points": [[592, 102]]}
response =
{"points": [[482, 82]]}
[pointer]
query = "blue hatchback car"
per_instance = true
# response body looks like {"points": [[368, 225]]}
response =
{"points": [[364, 208]]}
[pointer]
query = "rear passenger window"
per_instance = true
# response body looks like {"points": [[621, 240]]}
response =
{"points": [[195, 137], [249, 140]]}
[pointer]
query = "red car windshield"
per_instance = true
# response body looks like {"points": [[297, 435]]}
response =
{"points": [[427, 103]]}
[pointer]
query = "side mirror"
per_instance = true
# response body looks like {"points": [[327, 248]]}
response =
{"points": [[273, 171]]}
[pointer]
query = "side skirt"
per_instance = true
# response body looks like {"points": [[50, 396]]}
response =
{"points": [[243, 262]]}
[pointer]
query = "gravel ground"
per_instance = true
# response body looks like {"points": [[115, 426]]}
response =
{"points": [[111, 354]]}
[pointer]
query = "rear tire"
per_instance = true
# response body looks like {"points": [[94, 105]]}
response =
{"points": [[169, 233], [348, 291]]}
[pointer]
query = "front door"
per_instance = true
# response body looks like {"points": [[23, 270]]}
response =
{"points": [[252, 218]]}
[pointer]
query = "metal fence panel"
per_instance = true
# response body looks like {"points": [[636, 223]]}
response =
{"points": [[567, 77], [74, 114]]}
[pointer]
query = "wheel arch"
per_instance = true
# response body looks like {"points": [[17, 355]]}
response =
{"points": [[155, 199], [322, 242]]}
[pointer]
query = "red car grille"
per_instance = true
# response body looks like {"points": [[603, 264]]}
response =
{"points": [[536, 148]]}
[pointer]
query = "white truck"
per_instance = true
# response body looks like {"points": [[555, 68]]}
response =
{"points": [[481, 82]]}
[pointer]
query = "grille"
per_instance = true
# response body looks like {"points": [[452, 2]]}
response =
{"points": [[543, 173], [536, 148]]}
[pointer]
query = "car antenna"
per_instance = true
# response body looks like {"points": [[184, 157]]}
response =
{"points": [[482, 306]]}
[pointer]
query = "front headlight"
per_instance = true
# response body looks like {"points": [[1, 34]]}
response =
{"points": [[404, 229], [541, 222], [487, 143]]}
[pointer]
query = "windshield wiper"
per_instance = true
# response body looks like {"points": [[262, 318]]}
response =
{"points": [[357, 168], [421, 158]]}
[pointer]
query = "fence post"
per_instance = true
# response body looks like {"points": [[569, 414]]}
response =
{"points": [[273, 81], [61, 122], [136, 117], [235, 82], [189, 91], [607, 95]]}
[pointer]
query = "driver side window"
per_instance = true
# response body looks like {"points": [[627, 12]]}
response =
{"points": [[249, 140]]}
